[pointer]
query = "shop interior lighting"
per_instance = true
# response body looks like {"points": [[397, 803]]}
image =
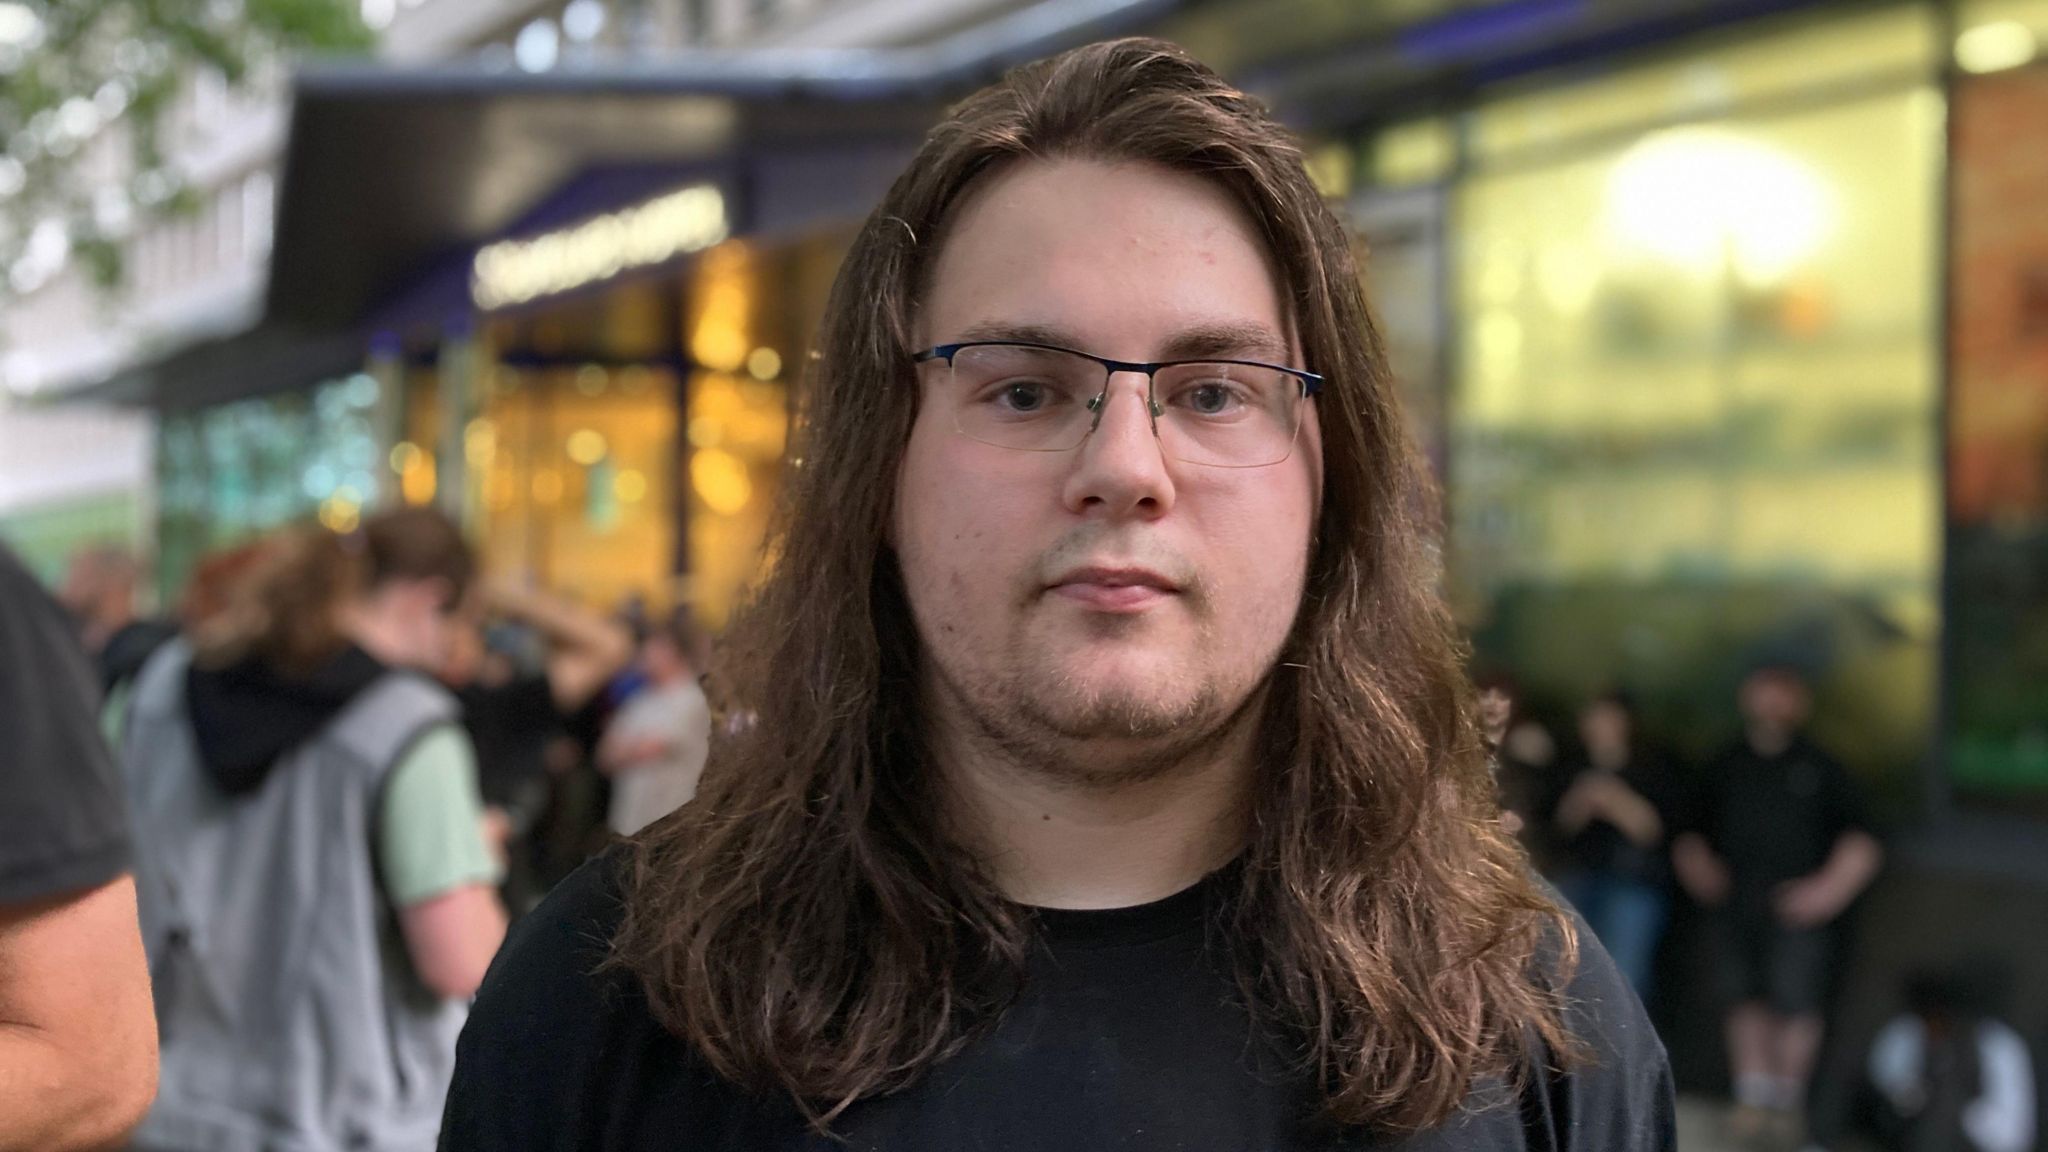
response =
{"points": [[764, 364], [587, 446], [721, 481], [1996, 47], [1715, 202], [515, 271]]}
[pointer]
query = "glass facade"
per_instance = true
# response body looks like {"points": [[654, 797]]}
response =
{"points": [[230, 472], [625, 443], [566, 451], [1691, 412]]}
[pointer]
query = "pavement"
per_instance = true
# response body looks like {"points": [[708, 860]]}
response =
{"points": [[1701, 1127]]}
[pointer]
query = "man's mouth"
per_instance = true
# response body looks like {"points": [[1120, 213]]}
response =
{"points": [[1108, 588]]}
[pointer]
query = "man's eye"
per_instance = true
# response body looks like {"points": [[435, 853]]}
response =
{"points": [[1024, 396], [1210, 399]]}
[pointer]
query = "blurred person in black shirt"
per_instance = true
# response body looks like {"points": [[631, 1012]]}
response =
{"points": [[516, 713], [78, 1052], [1610, 824], [1779, 845]]}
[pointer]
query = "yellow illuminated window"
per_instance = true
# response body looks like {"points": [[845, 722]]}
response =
{"points": [[737, 427], [1417, 152], [1695, 371], [1899, 42]]}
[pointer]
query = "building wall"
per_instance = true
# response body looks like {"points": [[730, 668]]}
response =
{"points": [[1998, 442], [47, 535]]}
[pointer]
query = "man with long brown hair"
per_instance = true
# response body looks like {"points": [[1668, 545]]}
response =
{"points": [[1111, 779]]}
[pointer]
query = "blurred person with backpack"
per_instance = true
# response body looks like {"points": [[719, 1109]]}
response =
{"points": [[317, 897]]}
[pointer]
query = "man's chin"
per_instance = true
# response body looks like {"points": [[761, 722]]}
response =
{"points": [[1118, 710]]}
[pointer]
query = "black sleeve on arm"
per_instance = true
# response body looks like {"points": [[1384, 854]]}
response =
{"points": [[524, 1065], [1847, 809], [63, 818], [1618, 1096]]}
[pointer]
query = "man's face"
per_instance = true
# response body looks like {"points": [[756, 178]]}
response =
{"points": [[1106, 594], [1775, 700], [1604, 725]]}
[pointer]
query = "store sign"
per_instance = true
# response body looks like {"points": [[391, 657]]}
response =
{"points": [[516, 271]]}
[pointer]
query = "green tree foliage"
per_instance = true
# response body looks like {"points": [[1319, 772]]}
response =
{"points": [[82, 78]]}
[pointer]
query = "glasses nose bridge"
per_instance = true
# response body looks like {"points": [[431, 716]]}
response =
{"points": [[1113, 368]]}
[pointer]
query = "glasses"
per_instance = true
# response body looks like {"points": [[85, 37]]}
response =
{"points": [[1043, 398]]}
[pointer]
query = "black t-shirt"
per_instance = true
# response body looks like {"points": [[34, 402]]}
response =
{"points": [[1601, 846], [1126, 1035], [510, 724], [63, 823], [1776, 818]]}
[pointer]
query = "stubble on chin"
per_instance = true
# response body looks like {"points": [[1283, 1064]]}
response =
{"points": [[1056, 726]]}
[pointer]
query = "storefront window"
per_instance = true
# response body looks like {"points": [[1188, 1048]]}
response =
{"points": [[626, 444], [570, 446], [1694, 411], [755, 312], [231, 472]]}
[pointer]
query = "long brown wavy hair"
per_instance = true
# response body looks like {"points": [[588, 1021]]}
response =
{"points": [[808, 926]]}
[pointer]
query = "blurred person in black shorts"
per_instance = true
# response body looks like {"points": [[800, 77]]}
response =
{"points": [[1779, 845]]}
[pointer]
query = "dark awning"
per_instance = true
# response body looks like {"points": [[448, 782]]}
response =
{"points": [[386, 174], [1327, 66], [264, 360], [388, 170]]}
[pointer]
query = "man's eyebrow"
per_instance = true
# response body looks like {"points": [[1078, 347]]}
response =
{"points": [[1027, 333], [1246, 339], [1227, 339]]}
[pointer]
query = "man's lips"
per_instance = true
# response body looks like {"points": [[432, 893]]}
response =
{"points": [[1108, 589]]}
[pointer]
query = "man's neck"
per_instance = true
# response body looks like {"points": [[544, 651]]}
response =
{"points": [[1767, 740], [1050, 842], [101, 628]]}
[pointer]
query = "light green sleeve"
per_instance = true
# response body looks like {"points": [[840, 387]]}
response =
{"points": [[430, 833], [114, 715]]}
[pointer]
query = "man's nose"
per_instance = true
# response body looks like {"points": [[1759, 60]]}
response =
{"points": [[1121, 466]]}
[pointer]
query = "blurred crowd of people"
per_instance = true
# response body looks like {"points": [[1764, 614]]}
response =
{"points": [[342, 744], [1771, 842], [580, 724]]}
